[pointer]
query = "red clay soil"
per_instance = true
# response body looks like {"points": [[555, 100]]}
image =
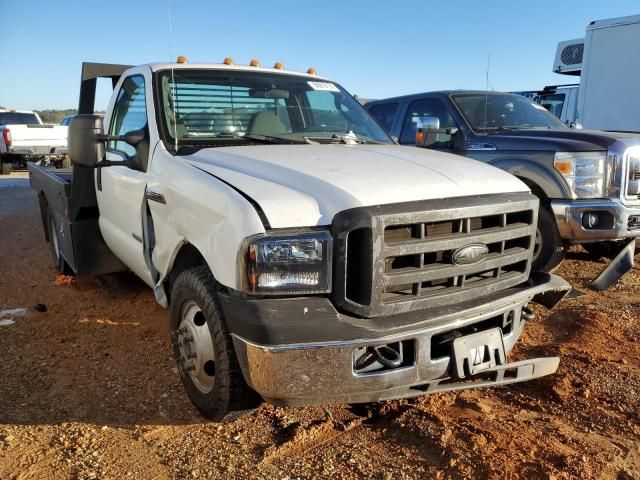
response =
{"points": [[89, 389]]}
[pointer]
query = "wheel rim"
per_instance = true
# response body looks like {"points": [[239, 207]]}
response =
{"points": [[54, 238], [197, 354], [537, 245]]}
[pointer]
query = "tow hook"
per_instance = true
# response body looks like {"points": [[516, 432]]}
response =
{"points": [[387, 356], [527, 313]]}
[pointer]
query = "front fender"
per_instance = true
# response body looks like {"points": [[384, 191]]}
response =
{"points": [[203, 211], [548, 180]]}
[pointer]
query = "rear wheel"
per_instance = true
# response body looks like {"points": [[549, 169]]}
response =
{"points": [[549, 249], [5, 168], [66, 162], [204, 351]]}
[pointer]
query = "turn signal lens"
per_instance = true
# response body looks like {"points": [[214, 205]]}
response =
{"points": [[419, 137], [566, 168]]}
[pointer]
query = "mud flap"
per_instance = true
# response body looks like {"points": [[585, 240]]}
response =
{"points": [[502, 375], [616, 269]]}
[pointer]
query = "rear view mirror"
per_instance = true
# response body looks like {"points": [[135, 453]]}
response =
{"points": [[269, 93], [85, 144]]}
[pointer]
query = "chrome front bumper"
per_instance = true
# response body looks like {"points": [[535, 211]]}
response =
{"points": [[569, 218], [307, 373]]}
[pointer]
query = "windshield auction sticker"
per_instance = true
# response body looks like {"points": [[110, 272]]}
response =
{"points": [[327, 86]]}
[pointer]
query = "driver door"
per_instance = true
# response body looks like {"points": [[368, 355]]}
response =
{"points": [[120, 190]]}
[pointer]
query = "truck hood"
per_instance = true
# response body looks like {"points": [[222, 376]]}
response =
{"points": [[560, 140], [306, 185]]}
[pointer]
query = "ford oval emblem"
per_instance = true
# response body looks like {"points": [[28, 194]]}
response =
{"points": [[470, 254]]}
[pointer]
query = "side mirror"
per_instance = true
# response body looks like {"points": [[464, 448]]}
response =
{"points": [[86, 148], [429, 133], [429, 123]]}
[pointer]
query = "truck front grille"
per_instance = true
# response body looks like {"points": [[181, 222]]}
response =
{"points": [[398, 258], [633, 181]]}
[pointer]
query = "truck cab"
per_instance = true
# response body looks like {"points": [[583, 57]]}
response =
{"points": [[588, 182], [305, 258]]}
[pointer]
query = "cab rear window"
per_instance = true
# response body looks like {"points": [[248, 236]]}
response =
{"points": [[17, 118]]}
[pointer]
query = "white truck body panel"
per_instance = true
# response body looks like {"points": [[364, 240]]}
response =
{"points": [[306, 185], [34, 138], [39, 139], [295, 185], [609, 95]]}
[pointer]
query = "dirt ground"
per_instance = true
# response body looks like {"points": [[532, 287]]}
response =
{"points": [[89, 390]]}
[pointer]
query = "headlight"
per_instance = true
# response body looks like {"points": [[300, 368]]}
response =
{"points": [[281, 264], [585, 172]]}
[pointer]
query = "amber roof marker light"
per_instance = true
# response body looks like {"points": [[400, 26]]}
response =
{"points": [[181, 59], [228, 61], [254, 63], [278, 66], [312, 71]]}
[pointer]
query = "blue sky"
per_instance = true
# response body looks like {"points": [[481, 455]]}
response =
{"points": [[374, 49]]}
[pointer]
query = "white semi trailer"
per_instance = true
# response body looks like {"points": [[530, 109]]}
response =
{"points": [[608, 62]]}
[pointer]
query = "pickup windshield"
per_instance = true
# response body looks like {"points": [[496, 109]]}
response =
{"points": [[18, 118], [205, 108], [495, 112]]}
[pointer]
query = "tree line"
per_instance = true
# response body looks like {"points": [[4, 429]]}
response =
{"points": [[55, 116]]}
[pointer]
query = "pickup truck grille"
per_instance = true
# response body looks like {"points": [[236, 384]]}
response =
{"points": [[398, 258], [633, 183]]}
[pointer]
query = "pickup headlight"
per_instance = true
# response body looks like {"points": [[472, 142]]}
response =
{"points": [[286, 263], [585, 172]]}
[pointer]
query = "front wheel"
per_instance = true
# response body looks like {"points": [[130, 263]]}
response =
{"points": [[203, 349], [549, 249]]}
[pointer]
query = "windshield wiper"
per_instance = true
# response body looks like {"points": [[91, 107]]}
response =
{"points": [[262, 138], [348, 138]]}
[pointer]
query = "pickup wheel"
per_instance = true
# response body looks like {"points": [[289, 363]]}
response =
{"points": [[66, 162], [549, 249], [54, 243], [5, 168], [204, 351]]}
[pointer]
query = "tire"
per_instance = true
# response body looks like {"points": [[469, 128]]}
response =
{"points": [[549, 249], [54, 243], [5, 168], [66, 162], [204, 351]]}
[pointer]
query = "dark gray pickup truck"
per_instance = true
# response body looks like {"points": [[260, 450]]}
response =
{"points": [[588, 181]]}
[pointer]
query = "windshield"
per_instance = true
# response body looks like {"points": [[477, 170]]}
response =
{"points": [[17, 118], [217, 108], [485, 112]]}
